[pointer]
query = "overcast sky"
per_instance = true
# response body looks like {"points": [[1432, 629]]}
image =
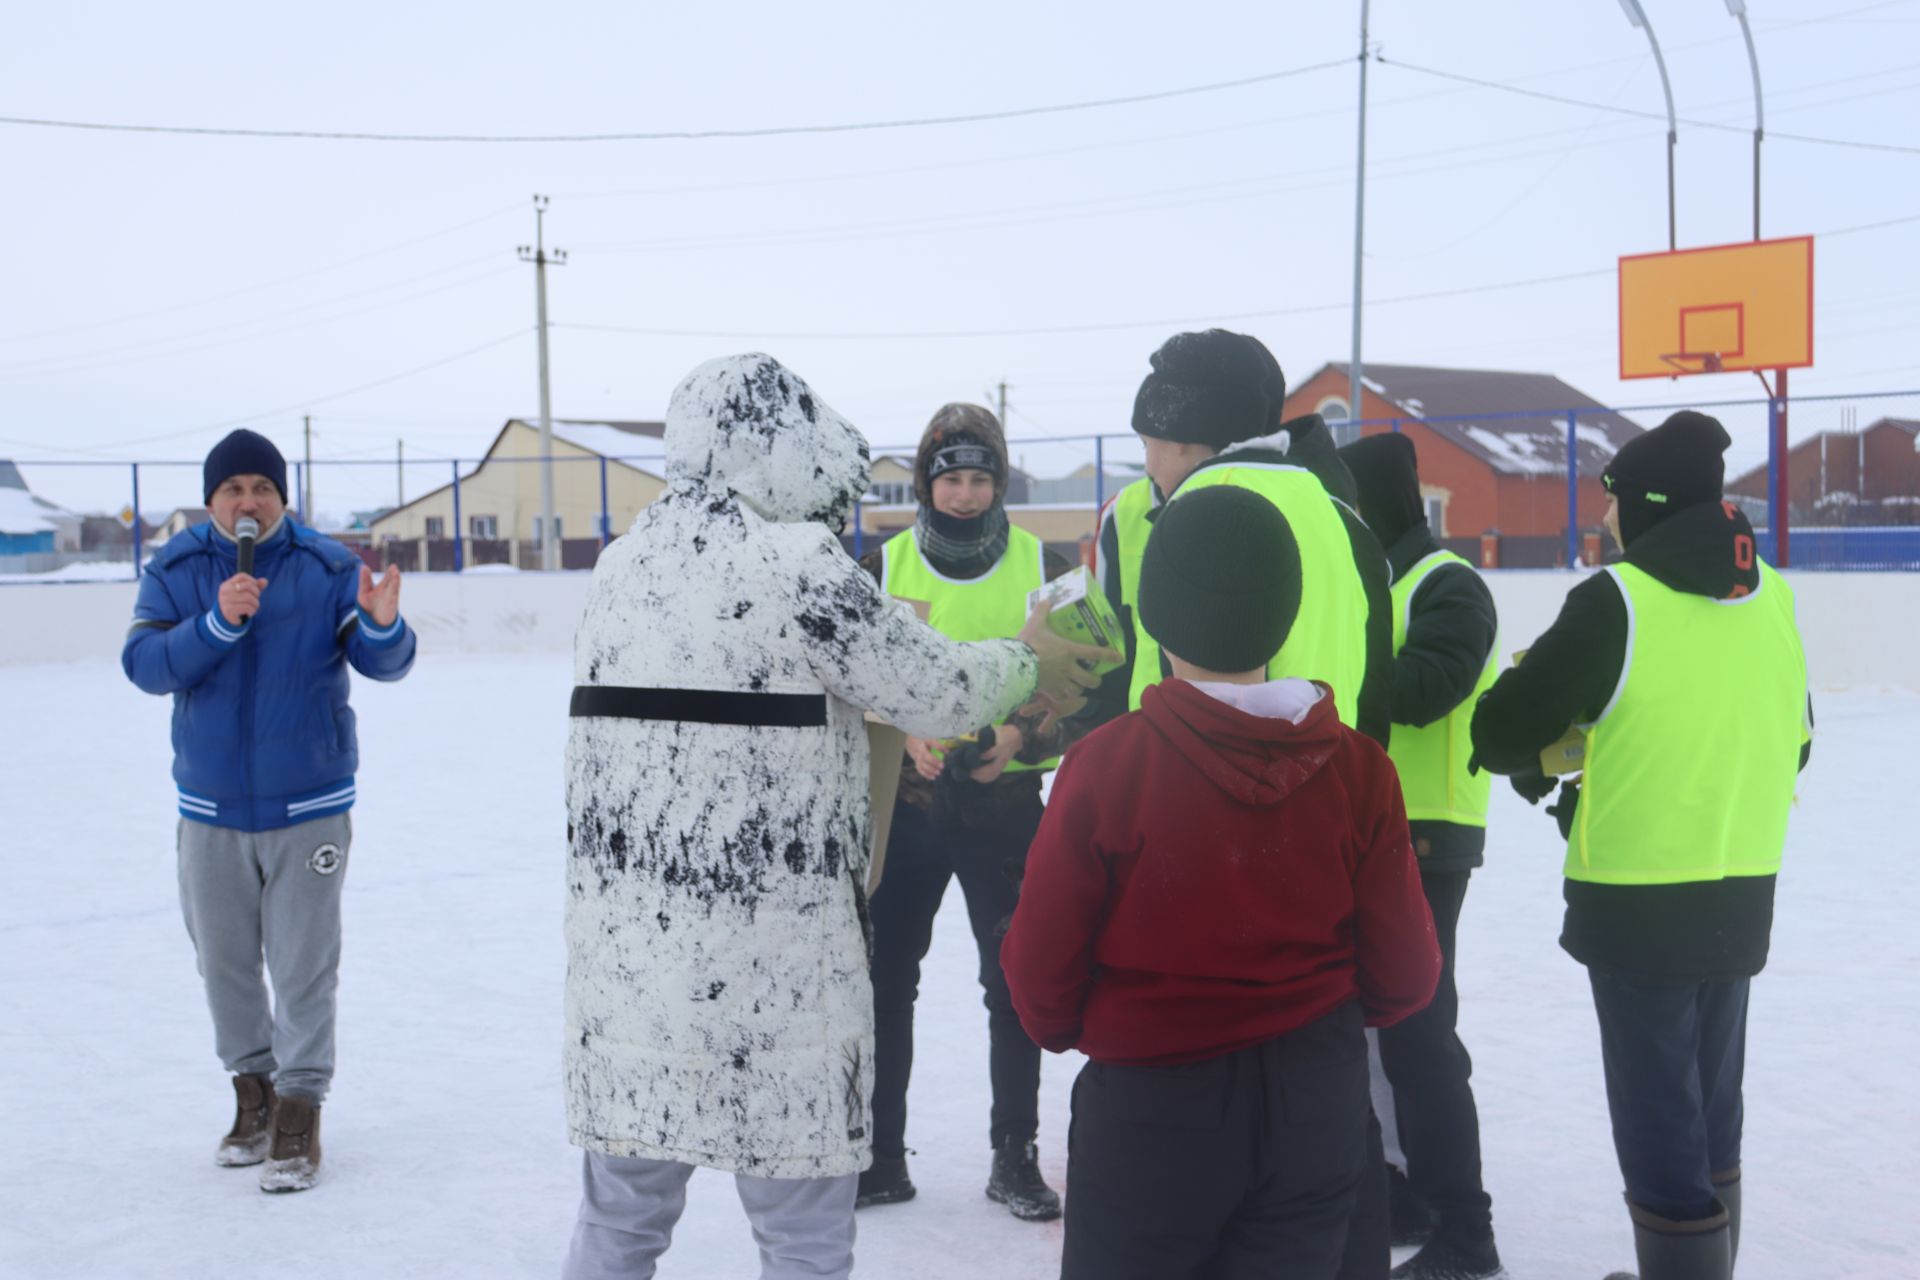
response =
{"points": [[159, 289]]}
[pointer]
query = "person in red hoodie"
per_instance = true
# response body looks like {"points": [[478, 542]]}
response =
{"points": [[1221, 894]]}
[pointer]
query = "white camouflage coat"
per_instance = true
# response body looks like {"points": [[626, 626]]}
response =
{"points": [[718, 1010]]}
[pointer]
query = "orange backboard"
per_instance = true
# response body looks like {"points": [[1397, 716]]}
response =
{"points": [[1717, 309]]}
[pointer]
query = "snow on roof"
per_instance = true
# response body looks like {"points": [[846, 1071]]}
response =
{"points": [[22, 513], [635, 443]]}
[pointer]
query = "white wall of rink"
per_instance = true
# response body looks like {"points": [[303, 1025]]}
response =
{"points": [[1860, 628]]}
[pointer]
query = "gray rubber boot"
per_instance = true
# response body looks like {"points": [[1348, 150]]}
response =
{"points": [[1727, 1187], [1670, 1250]]}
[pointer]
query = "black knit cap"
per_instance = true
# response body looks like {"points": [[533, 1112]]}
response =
{"points": [[1214, 388], [1386, 476], [1678, 464], [244, 453], [1220, 581]]}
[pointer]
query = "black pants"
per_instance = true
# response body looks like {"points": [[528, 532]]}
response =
{"points": [[1675, 1053], [1428, 1067], [1245, 1165], [988, 861]]}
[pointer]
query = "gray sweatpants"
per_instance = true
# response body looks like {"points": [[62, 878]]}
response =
{"points": [[628, 1209], [248, 894]]}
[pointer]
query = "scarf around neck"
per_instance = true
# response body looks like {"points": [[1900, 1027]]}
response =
{"points": [[962, 548]]}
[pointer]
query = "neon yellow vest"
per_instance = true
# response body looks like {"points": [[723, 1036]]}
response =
{"points": [[1432, 760], [1690, 769], [1329, 637], [1131, 529], [992, 606]]}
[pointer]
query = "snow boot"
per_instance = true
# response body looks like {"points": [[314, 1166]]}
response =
{"points": [[1411, 1218], [293, 1162], [885, 1183], [246, 1143], [1447, 1258], [1670, 1250], [1727, 1187], [1016, 1183]]}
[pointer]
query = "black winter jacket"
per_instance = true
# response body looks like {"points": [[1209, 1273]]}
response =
{"points": [[1451, 626], [1700, 930]]}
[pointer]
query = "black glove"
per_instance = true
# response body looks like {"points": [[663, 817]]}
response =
{"points": [[955, 793], [1533, 787], [1563, 808]]}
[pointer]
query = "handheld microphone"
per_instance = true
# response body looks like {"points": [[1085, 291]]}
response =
{"points": [[245, 530]]}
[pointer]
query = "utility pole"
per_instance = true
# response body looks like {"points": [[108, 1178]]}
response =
{"points": [[1003, 406], [540, 258], [1359, 234], [306, 499], [1638, 17], [399, 474]]}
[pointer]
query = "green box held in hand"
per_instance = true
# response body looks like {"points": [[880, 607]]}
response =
{"points": [[1081, 613]]}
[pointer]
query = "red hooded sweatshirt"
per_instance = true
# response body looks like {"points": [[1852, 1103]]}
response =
{"points": [[1207, 878]]}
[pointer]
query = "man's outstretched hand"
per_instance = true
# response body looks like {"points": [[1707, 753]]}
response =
{"points": [[1066, 669]]}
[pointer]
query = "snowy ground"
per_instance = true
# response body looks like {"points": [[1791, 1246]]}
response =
{"points": [[445, 1154]]}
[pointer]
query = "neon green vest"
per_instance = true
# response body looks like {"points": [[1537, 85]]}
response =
{"points": [[1432, 760], [1131, 529], [1329, 637], [990, 607], [1690, 769]]}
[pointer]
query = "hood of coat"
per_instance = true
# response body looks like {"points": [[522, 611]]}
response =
{"points": [[1303, 442], [748, 426], [1706, 549], [1255, 751]]}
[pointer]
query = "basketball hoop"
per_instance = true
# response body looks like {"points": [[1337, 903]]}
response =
{"points": [[1684, 362]]}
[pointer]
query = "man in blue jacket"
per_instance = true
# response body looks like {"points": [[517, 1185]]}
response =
{"points": [[264, 757]]}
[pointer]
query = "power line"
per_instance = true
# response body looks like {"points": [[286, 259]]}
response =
{"points": [[264, 284], [321, 399], [1639, 114], [1119, 325], [664, 135]]}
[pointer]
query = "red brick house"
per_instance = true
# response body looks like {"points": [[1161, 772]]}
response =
{"points": [[1492, 445], [1870, 476]]}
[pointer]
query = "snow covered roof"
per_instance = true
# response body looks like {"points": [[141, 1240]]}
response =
{"points": [[21, 512], [1515, 422], [627, 439]]}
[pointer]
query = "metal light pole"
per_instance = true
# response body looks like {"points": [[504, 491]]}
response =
{"points": [[1738, 8], [1638, 17], [539, 257], [1354, 383]]}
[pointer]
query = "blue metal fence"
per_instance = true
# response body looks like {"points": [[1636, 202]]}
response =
{"points": [[1813, 544]]}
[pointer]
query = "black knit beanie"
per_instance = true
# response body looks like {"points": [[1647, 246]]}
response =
{"points": [[960, 436], [1214, 388], [1386, 475], [1678, 464], [243, 453], [1220, 581]]}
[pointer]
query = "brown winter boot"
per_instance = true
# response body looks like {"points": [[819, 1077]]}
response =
{"points": [[293, 1162], [246, 1143]]}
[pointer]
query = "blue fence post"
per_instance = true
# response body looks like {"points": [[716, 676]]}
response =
{"points": [[459, 536], [136, 520], [1099, 474], [1573, 488], [606, 516]]}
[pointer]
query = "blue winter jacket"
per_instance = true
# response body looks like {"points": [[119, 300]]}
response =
{"points": [[262, 734]]}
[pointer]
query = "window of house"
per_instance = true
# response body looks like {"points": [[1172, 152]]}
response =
{"points": [[436, 526], [539, 531], [487, 527], [1335, 410], [893, 493], [1436, 515]]}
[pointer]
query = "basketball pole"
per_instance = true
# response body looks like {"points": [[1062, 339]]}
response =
{"points": [[1780, 473], [1738, 8], [1638, 17]]}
